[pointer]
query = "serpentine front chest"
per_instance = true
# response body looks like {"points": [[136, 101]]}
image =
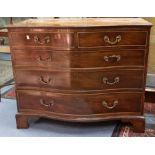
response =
{"points": [[81, 70]]}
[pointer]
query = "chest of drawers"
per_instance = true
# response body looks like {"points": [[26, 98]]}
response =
{"points": [[80, 70]]}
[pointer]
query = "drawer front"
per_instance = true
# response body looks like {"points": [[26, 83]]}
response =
{"points": [[84, 104], [37, 39], [112, 38], [81, 80], [74, 59]]}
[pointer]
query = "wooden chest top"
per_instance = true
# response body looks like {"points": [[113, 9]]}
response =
{"points": [[82, 22]]}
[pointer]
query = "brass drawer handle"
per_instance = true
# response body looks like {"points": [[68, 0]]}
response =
{"points": [[48, 59], [105, 104], [116, 80], [116, 57], [45, 40], [117, 40], [45, 81], [49, 104]]}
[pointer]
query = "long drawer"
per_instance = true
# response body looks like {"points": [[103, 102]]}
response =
{"points": [[81, 79], [84, 104], [112, 38], [75, 59]]}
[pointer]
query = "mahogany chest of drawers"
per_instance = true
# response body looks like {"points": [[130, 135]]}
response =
{"points": [[80, 70]]}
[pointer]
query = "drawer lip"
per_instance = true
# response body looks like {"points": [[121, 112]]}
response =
{"points": [[91, 115], [134, 67], [85, 101], [63, 91], [82, 70], [85, 70], [112, 46], [83, 93], [82, 51]]}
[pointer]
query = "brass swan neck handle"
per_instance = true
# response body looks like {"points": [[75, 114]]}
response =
{"points": [[105, 104], [117, 40], [106, 81]]}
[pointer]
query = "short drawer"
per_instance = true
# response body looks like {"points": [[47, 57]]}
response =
{"points": [[112, 38], [79, 104], [42, 39], [81, 80], [75, 59]]}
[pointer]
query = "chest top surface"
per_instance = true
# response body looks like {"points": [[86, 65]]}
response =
{"points": [[82, 22]]}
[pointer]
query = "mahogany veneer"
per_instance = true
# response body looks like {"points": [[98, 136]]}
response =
{"points": [[80, 69]]}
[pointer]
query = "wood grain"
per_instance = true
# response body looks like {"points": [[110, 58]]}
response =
{"points": [[80, 70], [50, 59]]}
